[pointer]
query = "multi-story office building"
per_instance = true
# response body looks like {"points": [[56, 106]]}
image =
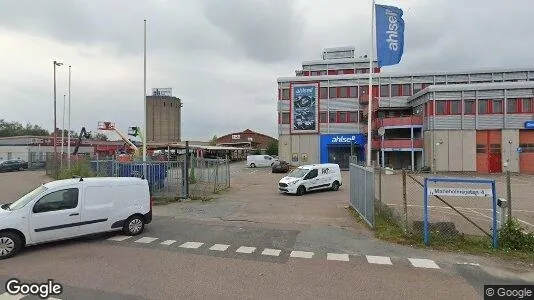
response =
{"points": [[418, 120]]}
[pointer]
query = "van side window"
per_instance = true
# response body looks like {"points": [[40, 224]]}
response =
{"points": [[58, 200], [313, 173], [267, 157]]}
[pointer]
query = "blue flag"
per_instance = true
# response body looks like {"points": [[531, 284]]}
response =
{"points": [[389, 35]]}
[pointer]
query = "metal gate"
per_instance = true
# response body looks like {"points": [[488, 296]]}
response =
{"points": [[362, 192]]}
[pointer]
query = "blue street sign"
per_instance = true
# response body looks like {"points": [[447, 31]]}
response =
{"points": [[529, 124], [519, 149]]}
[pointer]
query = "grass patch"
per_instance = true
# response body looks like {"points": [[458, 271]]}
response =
{"points": [[512, 245]]}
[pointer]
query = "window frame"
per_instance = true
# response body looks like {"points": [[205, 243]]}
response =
{"points": [[288, 117], [288, 94], [459, 112], [472, 105]]}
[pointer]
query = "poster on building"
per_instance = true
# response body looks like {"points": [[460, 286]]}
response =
{"points": [[304, 108]]}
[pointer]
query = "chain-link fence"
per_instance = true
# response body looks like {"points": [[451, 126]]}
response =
{"points": [[208, 176]]}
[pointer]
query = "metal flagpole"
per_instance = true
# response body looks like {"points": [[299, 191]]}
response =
{"points": [[68, 132], [370, 91], [63, 130], [144, 103]]}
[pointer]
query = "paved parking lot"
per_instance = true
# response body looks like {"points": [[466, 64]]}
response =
{"points": [[14, 185]]}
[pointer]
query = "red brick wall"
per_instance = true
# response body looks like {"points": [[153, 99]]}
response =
{"points": [[263, 140]]}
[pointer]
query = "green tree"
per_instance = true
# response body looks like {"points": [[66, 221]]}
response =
{"points": [[272, 149], [213, 141], [100, 136], [16, 129]]}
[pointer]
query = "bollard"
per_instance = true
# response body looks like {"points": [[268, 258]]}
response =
{"points": [[501, 212]]}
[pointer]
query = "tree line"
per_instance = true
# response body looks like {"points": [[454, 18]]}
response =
{"points": [[13, 128]]}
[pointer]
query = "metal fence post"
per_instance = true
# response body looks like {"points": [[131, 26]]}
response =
{"points": [[404, 200], [509, 194], [379, 189], [186, 169], [216, 176]]}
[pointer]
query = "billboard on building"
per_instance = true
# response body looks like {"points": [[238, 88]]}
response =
{"points": [[304, 108]]}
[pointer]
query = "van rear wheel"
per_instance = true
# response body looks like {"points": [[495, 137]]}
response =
{"points": [[133, 226], [252, 165], [10, 244]]}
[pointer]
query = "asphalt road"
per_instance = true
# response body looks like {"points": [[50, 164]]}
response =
{"points": [[251, 243]]}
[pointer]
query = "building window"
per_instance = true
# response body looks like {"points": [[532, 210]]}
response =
{"points": [[323, 117], [353, 115], [496, 106], [417, 87], [285, 118], [384, 90], [323, 93], [482, 107], [512, 106], [495, 148], [332, 117], [353, 90], [333, 72], [455, 107], [395, 90], [314, 73], [441, 107], [333, 92], [343, 117], [481, 148], [407, 89], [323, 72], [526, 106], [469, 107], [343, 93], [363, 90], [285, 94], [527, 147]]}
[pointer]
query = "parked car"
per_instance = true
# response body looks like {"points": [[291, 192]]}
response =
{"points": [[254, 161], [70, 208], [13, 165], [311, 178], [280, 167]]}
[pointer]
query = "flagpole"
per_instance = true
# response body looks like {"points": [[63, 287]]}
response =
{"points": [[144, 103], [370, 90]]}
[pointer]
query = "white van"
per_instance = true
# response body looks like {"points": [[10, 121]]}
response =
{"points": [[254, 161], [71, 208], [311, 178]]}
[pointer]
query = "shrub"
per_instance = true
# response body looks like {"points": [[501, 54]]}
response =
{"points": [[80, 168], [514, 237]]}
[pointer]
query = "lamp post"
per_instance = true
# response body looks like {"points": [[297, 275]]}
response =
{"points": [[68, 132], [55, 113], [63, 129]]}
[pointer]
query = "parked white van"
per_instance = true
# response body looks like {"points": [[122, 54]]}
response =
{"points": [[310, 178], [71, 208], [254, 161]]}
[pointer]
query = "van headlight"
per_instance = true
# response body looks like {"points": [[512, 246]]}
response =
{"points": [[293, 182]]}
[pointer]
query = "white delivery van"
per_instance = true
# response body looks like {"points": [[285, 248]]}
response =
{"points": [[71, 208], [254, 161], [311, 178]]}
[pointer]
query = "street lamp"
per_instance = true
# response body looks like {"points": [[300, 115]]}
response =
{"points": [[68, 132], [63, 129], [55, 110]]}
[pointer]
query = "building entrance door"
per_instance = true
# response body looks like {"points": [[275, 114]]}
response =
{"points": [[339, 155], [494, 163]]}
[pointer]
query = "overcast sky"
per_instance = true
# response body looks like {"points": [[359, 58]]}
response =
{"points": [[222, 57]]}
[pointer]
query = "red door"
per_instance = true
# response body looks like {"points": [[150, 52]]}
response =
{"points": [[495, 163]]}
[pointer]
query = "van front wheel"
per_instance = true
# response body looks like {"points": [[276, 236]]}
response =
{"points": [[133, 226], [301, 190], [335, 186], [252, 165], [10, 244]]}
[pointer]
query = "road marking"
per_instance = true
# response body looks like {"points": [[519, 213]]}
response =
{"points": [[271, 252], [244, 249], [191, 245], [423, 263], [119, 238], [168, 242], [219, 247], [335, 256], [146, 240], [380, 260], [301, 254], [7, 296]]}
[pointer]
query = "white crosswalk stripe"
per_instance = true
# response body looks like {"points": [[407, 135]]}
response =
{"points": [[423, 263], [7, 296], [119, 238], [336, 256], [301, 254], [379, 260], [271, 252], [247, 250], [191, 245], [168, 242], [146, 240], [219, 247]]}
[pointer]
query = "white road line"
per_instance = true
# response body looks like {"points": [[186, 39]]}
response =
{"points": [[219, 247], [336, 256], [244, 249], [119, 238], [301, 254], [168, 242], [146, 240], [191, 245], [380, 260], [423, 263], [7, 296], [271, 252]]}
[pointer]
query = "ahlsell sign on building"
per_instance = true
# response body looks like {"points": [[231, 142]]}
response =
{"points": [[304, 108]]}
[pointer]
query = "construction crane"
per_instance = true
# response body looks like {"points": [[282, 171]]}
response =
{"points": [[110, 126], [85, 135]]}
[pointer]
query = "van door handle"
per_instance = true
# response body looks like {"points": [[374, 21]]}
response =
{"points": [[74, 214]]}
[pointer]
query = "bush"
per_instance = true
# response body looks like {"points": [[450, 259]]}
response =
{"points": [[514, 237], [80, 168]]}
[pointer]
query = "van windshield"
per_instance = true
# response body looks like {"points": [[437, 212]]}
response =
{"points": [[298, 173], [26, 198]]}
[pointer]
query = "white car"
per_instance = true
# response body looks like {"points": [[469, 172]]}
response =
{"points": [[310, 178], [254, 161], [65, 209]]}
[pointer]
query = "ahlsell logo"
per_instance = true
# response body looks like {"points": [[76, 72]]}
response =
{"points": [[393, 34], [343, 139], [304, 90]]}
